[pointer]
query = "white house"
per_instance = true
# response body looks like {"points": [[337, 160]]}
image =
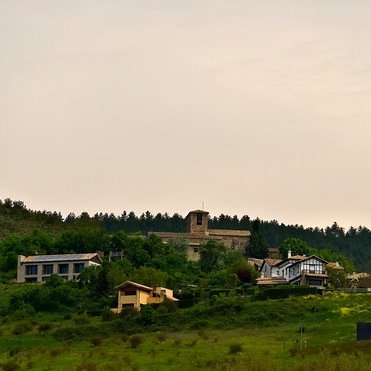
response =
{"points": [[38, 268], [298, 269], [269, 269]]}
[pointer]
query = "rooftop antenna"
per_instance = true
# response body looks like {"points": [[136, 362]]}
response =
{"points": [[203, 206]]}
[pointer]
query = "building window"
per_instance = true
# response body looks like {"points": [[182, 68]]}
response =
{"points": [[195, 249], [199, 219], [78, 267], [315, 282], [46, 278], [130, 293], [63, 268], [31, 270], [48, 269]]}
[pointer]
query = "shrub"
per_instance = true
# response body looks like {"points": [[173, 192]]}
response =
{"points": [[108, 315], [167, 306], [199, 324], [65, 333], [193, 343], [130, 312], [203, 334], [14, 351], [136, 340], [96, 340], [44, 327], [235, 348], [147, 315], [21, 328], [82, 319], [161, 336], [86, 366], [10, 365], [282, 292], [177, 341], [56, 352]]}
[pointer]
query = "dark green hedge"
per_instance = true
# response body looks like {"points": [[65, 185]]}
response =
{"points": [[282, 292]]}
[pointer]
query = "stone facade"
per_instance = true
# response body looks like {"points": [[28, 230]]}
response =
{"points": [[197, 233]]}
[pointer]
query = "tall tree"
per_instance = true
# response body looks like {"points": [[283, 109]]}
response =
{"points": [[258, 247], [296, 246], [211, 255]]}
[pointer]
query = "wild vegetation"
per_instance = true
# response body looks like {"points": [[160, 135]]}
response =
{"points": [[16, 218], [222, 322], [219, 333]]}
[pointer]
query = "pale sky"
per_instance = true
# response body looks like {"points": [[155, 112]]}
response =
{"points": [[252, 107]]}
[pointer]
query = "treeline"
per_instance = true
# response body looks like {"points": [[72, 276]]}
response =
{"points": [[354, 243]]}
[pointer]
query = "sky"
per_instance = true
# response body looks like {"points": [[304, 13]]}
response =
{"points": [[258, 108]]}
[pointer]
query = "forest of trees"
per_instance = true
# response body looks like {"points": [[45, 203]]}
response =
{"points": [[354, 243]]}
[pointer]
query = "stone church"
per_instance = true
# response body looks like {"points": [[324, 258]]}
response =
{"points": [[198, 233]]}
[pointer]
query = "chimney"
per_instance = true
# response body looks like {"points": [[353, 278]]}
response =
{"points": [[289, 254]]}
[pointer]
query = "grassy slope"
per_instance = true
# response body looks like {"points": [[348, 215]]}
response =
{"points": [[328, 342]]}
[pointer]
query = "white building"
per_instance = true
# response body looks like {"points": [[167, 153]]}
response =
{"points": [[38, 268], [298, 269]]}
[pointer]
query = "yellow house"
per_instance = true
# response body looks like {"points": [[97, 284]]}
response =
{"points": [[132, 294]]}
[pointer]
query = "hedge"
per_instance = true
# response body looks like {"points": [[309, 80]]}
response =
{"points": [[281, 292]]}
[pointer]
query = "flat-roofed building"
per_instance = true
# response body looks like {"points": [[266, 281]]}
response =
{"points": [[38, 268]]}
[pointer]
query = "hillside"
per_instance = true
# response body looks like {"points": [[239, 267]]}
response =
{"points": [[223, 333], [354, 243]]}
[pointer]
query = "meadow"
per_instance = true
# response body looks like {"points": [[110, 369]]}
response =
{"points": [[301, 333]]}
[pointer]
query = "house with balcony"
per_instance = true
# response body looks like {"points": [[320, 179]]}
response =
{"points": [[297, 269], [39, 268], [134, 295]]}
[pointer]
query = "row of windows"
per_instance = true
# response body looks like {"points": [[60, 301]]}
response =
{"points": [[46, 278], [32, 270]]}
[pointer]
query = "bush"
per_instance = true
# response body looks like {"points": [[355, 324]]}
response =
{"points": [[14, 351], [86, 366], [203, 334], [199, 324], [219, 292], [161, 336], [108, 315], [147, 315], [96, 340], [130, 312], [167, 306], [21, 328], [44, 327], [79, 332], [235, 348], [82, 319], [282, 292], [177, 341], [9, 365], [136, 340]]}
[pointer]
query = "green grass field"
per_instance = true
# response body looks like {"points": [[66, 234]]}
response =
{"points": [[326, 342]]}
